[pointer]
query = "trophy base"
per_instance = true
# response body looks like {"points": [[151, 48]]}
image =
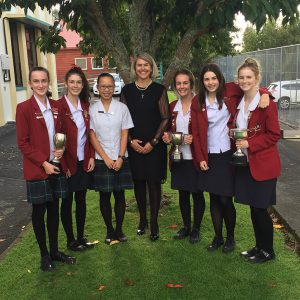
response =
{"points": [[55, 163], [239, 161], [177, 157]]}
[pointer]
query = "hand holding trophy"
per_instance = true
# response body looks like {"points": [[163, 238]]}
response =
{"points": [[238, 157], [177, 139], [59, 141]]}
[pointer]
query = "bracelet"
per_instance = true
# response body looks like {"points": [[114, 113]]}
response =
{"points": [[154, 142]]}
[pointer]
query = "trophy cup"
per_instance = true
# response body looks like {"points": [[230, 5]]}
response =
{"points": [[176, 140], [59, 141], [238, 157]]}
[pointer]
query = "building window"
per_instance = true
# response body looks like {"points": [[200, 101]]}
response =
{"points": [[96, 63], [81, 62], [16, 53], [31, 48]]}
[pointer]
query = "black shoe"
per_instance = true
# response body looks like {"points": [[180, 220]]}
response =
{"points": [[62, 257], [47, 264], [121, 237], [154, 237], [75, 246], [85, 243], [182, 233], [262, 256], [110, 236], [250, 253], [229, 245], [194, 236], [140, 231], [216, 243]]}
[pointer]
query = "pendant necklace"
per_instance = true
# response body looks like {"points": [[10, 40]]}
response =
{"points": [[142, 89]]}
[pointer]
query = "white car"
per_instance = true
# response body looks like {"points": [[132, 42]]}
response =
{"points": [[119, 83], [285, 92]]}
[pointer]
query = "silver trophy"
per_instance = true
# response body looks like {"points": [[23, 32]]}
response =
{"points": [[238, 157], [177, 139], [59, 141]]}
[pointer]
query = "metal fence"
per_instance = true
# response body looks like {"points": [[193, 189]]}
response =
{"points": [[280, 72]]}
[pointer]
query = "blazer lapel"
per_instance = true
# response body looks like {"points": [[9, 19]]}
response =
{"points": [[38, 115]]}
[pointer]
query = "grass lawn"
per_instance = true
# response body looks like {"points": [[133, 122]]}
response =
{"points": [[141, 269]]}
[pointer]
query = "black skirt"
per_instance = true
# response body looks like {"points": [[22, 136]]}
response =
{"points": [[219, 179], [259, 194], [108, 180], [184, 176], [80, 181], [42, 191]]}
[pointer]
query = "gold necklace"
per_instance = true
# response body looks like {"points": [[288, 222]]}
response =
{"points": [[142, 89]]}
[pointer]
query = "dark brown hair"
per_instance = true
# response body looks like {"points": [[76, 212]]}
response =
{"points": [[41, 69], [85, 93], [202, 90]]}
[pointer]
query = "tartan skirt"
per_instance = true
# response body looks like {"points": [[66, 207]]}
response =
{"points": [[41, 191], [108, 180]]}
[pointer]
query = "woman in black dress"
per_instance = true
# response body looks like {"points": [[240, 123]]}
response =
{"points": [[149, 108]]}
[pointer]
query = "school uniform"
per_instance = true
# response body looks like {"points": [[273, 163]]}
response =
{"points": [[212, 143], [108, 127], [256, 183], [78, 149], [36, 126], [184, 174]]}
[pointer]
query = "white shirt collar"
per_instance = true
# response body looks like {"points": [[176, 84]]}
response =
{"points": [[71, 106], [42, 107], [253, 103], [208, 104], [112, 107], [178, 106]]}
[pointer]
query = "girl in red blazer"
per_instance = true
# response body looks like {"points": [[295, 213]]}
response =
{"points": [[38, 119], [214, 110], [255, 185], [184, 174], [79, 156]]}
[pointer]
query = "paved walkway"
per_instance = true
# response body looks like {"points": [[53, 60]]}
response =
{"points": [[15, 212]]}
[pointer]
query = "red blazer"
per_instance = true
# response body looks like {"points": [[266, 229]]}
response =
{"points": [[172, 128], [32, 137], [264, 161], [232, 95], [70, 128]]}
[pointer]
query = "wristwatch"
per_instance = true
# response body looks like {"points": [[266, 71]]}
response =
{"points": [[154, 142], [122, 156]]}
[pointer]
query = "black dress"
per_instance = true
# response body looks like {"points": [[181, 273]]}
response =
{"points": [[150, 113]]}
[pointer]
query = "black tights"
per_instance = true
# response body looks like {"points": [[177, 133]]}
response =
{"points": [[66, 214], [222, 208], [154, 189], [106, 211], [263, 228], [38, 223], [185, 208]]}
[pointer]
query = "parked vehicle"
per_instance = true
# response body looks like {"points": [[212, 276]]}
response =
{"points": [[285, 92], [119, 83]]}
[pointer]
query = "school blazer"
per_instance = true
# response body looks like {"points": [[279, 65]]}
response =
{"points": [[70, 129], [264, 133], [32, 137]]}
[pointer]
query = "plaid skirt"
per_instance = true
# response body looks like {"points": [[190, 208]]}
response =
{"points": [[108, 180], [41, 191]]}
